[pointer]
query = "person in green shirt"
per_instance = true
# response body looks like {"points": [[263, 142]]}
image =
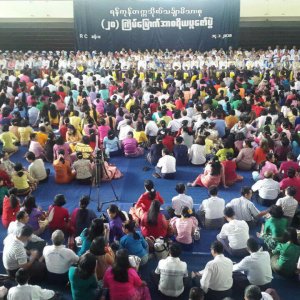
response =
{"points": [[83, 279], [3, 193], [222, 153], [274, 227], [286, 255]]}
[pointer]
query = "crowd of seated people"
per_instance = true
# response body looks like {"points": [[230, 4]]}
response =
{"points": [[227, 111]]}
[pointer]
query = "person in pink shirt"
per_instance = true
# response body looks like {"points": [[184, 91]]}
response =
{"points": [[123, 281], [130, 146], [103, 130], [268, 165], [286, 165], [89, 126], [291, 180], [184, 228], [36, 147], [99, 103], [61, 145]]}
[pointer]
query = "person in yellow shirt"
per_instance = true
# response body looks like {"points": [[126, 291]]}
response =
{"points": [[139, 134], [8, 139], [25, 131], [42, 136], [75, 120], [231, 120], [84, 147]]}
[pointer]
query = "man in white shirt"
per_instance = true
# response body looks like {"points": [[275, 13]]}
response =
{"points": [[234, 234], [288, 203], [211, 210], [58, 258], [181, 200], [26, 291], [37, 168], [253, 292], [172, 272], [253, 269], [151, 129], [268, 189], [124, 130], [166, 166], [216, 278]]}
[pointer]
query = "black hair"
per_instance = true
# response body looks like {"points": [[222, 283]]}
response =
{"points": [[22, 276], [290, 235], [175, 250], [217, 247], [213, 190], [185, 212], [196, 293], [291, 172], [115, 210], [153, 213], [229, 212], [59, 200], [245, 190], [30, 156], [98, 246], [21, 214], [82, 214], [252, 244], [291, 191], [86, 266], [29, 204], [149, 186], [180, 188], [96, 229], [26, 231], [19, 169], [130, 226], [121, 266], [276, 211]]}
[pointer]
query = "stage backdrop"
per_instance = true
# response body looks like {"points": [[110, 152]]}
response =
{"points": [[110, 25]]}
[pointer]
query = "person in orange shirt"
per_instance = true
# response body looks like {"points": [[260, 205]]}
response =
{"points": [[231, 120], [261, 152], [42, 136], [62, 168]]}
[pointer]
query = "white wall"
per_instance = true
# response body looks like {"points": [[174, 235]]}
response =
{"points": [[62, 10]]}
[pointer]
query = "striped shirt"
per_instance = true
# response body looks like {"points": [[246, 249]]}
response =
{"points": [[244, 209], [289, 205], [172, 271], [14, 253]]}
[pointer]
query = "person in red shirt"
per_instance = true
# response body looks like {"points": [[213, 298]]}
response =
{"points": [[58, 216], [11, 206], [286, 165], [153, 222], [229, 166], [291, 180], [261, 152], [144, 202], [168, 140]]}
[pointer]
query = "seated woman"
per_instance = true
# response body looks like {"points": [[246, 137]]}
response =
{"points": [[61, 145], [96, 229], [82, 217], [130, 146], [145, 200], [286, 255], [84, 147], [35, 214], [111, 145], [229, 166], [104, 255], [123, 281], [213, 175], [184, 228], [8, 140], [103, 130], [83, 169], [58, 216], [10, 208], [274, 227], [134, 242], [62, 168], [267, 165], [73, 136], [155, 151], [22, 181], [116, 219], [153, 222], [244, 160], [221, 154], [36, 147], [83, 279]]}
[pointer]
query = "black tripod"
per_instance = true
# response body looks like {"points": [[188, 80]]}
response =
{"points": [[97, 177]]}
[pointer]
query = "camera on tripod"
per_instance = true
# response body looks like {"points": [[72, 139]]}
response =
{"points": [[99, 157]]}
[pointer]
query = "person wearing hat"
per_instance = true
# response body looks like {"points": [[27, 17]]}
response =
{"points": [[267, 189]]}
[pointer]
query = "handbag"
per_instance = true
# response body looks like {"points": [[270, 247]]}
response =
{"points": [[197, 234], [161, 248]]}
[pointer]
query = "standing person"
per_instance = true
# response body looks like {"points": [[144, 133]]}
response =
{"points": [[166, 166], [83, 279], [153, 222], [211, 210], [82, 217], [216, 278], [171, 273], [134, 242], [234, 234], [116, 219], [123, 281]]}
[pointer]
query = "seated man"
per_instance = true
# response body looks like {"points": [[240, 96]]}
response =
{"points": [[180, 152], [211, 210], [14, 252], [234, 234], [268, 189], [26, 291], [171, 273], [216, 279], [253, 292], [166, 166], [58, 259], [253, 269], [37, 168]]}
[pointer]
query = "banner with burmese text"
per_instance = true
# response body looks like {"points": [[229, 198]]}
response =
{"points": [[104, 25]]}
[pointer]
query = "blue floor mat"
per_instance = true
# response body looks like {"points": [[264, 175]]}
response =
{"points": [[128, 190]]}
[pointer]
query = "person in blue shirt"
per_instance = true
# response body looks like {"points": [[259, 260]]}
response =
{"points": [[180, 152], [134, 242], [220, 125]]}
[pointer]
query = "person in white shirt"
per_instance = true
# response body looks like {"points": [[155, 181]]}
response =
{"points": [[288, 203], [124, 130], [170, 273], [37, 168], [197, 152], [216, 278], [211, 210], [254, 268], [253, 292], [58, 258], [268, 189], [27, 291], [181, 200], [151, 129], [166, 166], [234, 234]]}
